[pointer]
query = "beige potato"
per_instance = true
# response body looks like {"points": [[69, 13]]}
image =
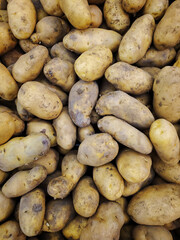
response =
{"points": [[7, 206], [10, 230], [11, 56], [122, 201], [85, 132], [22, 150], [97, 150], [39, 100], [61, 73], [156, 8], [3, 176], [105, 224], [80, 41], [3, 16], [85, 197], [96, 16], [22, 18], [105, 87], [22, 112], [91, 65], [31, 212], [27, 45], [82, 99], [125, 107], [7, 127], [155, 205], [153, 71], [167, 32], [116, 18], [137, 40], [45, 183], [133, 6], [108, 181], [128, 78], [52, 7]]}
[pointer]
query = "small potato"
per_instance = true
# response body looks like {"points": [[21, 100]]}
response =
{"points": [[31, 212], [137, 40], [133, 6], [134, 167], [153, 71], [96, 16], [155, 205], [128, 78], [85, 197], [3, 176], [7, 127], [130, 188], [80, 41], [40, 126], [52, 7], [61, 73], [97, 150], [105, 87], [116, 18], [11, 56], [105, 224], [156, 8], [91, 65], [108, 181], [85, 132], [27, 45], [58, 214], [37, 99], [165, 140], [125, 107], [29, 65], [82, 99], [8, 86], [22, 18], [168, 24], [23, 113], [7, 206], [10, 230], [23, 150], [65, 130]]}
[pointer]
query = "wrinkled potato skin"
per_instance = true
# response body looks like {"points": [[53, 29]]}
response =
{"points": [[156, 205], [133, 6], [137, 40], [91, 65], [167, 32], [96, 16], [49, 105], [85, 132], [82, 98], [97, 150], [116, 18], [52, 7], [85, 197], [31, 212], [27, 45], [22, 18], [80, 41], [7, 127], [9, 230], [7, 206], [156, 8], [105, 224]]}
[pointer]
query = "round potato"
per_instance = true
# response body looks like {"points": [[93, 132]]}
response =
{"points": [[96, 16], [52, 7], [133, 6], [156, 8], [8, 206]]}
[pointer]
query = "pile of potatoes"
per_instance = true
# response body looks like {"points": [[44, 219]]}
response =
{"points": [[89, 120]]}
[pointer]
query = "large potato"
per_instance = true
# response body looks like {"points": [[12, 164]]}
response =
{"points": [[7, 127], [7, 206], [156, 205], [137, 40], [133, 6], [10, 230], [156, 8], [52, 7]]}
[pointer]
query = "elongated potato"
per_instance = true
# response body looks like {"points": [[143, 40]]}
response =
{"points": [[80, 41], [82, 98], [7, 206], [22, 18], [49, 105], [156, 8], [137, 40], [96, 16], [7, 127], [10, 230], [129, 78], [91, 65], [156, 205], [52, 7], [97, 150], [22, 150], [123, 106], [133, 6], [85, 132]]}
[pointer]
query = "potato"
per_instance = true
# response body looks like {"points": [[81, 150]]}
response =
{"points": [[116, 18], [27, 45], [108, 181], [122, 105], [156, 8], [61, 73], [96, 16], [22, 150], [58, 214], [23, 113], [52, 7], [123, 203], [49, 105], [73, 11], [39, 9], [85, 132], [105, 224], [3, 176], [82, 98], [169, 23], [10, 230], [45, 183], [3, 4], [22, 18], [29, 65], [153, 71], [7, 208], [155, 205], [97, 150], [51, 236], [7, 127], [133, 6], [80, 41], [151, 233], [91, 65], [137, 40], [144, 99], [85, 197], [65, 130], [11, 56], [31, 212], [129, 79], [8, 86]]}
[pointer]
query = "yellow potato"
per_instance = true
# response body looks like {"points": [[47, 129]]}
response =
{"points": [[10, 230], [96, 16], [7, 206], [52, 7], [27, 45], [85, 132], [7, 127], [133, 6], [156, 8]]}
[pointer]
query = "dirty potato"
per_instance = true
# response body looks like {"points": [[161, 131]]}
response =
{"points": [[153, 71]]}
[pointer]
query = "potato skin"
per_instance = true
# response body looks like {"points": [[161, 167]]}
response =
{"points": [[27, 45], [10, 230], [133, 6], [153, 71], [96, 16], [156, 8], [7, 127], [85, 132], [3, 176], [22, 18], [155, 205], [8, 206], [137, 40], [97, 150], [52, 7], [168, 24]]}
